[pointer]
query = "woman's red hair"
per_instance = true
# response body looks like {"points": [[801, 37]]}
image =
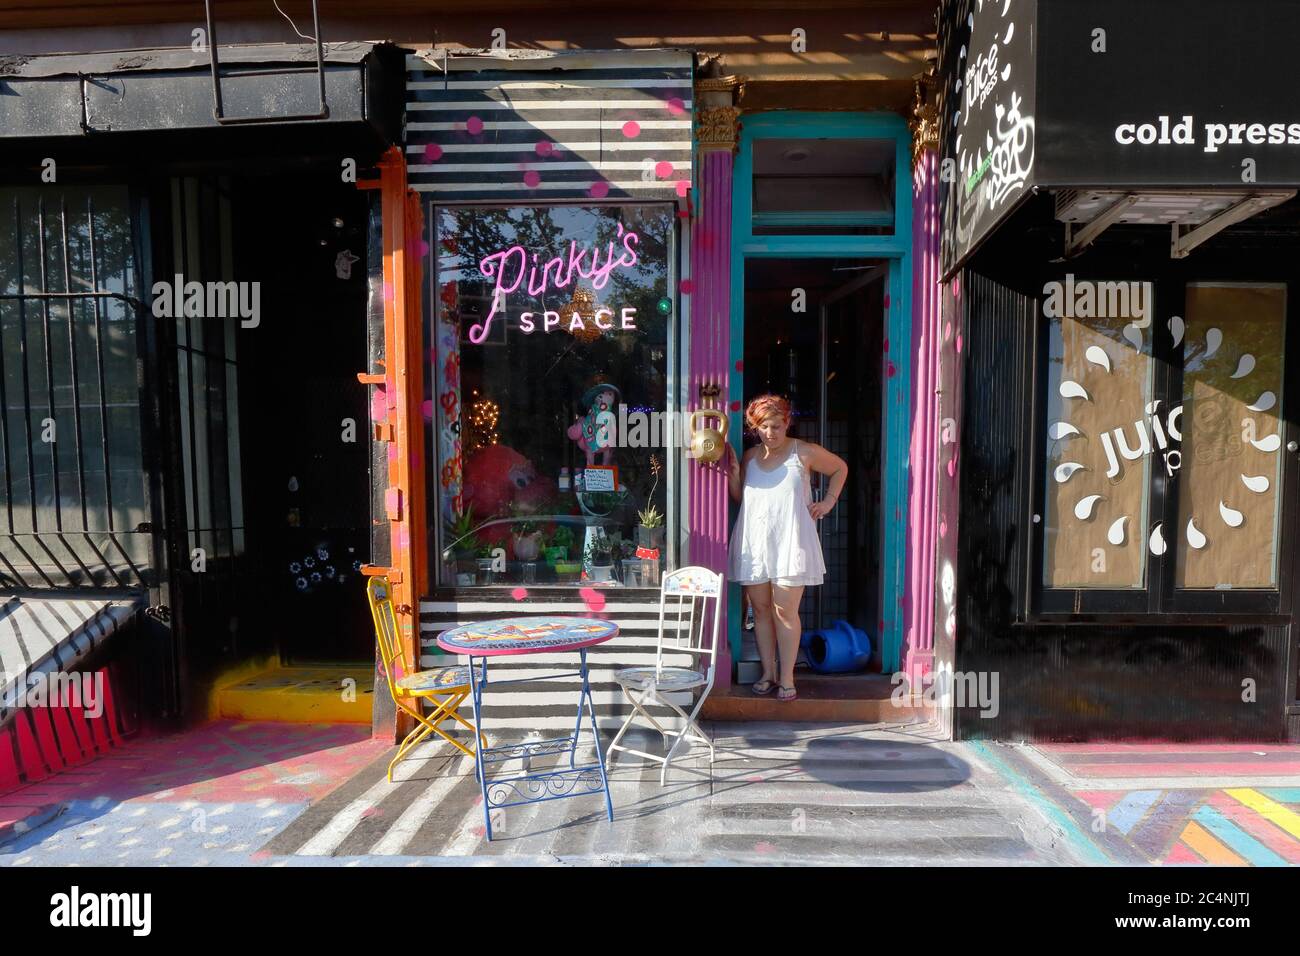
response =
{"points": [[764, 405]]}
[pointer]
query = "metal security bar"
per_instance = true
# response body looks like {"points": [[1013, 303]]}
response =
{"points": [[71, 471]]}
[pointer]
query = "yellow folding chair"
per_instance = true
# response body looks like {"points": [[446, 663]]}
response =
{"points": [[443, 687]]}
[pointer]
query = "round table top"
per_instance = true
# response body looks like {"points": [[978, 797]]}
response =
{"points": [[526, 635]]}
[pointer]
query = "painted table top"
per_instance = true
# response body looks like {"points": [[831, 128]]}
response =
{"points": [[526, 635]]}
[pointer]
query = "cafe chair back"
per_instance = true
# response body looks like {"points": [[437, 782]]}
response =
{"points": [[443, 688], [690, 602]]}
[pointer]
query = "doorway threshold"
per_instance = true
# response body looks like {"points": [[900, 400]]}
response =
{"points": [[865, 698], [311, 694]]}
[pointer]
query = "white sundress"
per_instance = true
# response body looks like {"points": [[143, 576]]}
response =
{"points": [[775, 538]]}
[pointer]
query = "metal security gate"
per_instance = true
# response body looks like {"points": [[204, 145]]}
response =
{"points": [[77, 508]]}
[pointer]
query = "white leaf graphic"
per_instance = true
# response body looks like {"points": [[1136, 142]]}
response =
{"points": [[1264, 402], [988, 142], [1071, 389], [1271, 443], [1245, 366], [962, 52], [1213, 339], [1134, 335], [1194, 536], [1176, 329], [957, 88], [1097, 356], [1059, 430], [1065, 470], [1011, 29], [1231, 516], [1157, 542], [1083, 510], [1006, 72], [1256, 483], [1116, 533]]}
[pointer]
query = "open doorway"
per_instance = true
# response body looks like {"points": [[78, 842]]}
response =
{"points": [[814, 334], [269, 437]]}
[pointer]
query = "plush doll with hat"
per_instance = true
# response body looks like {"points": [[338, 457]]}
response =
{"points": [[595, 432]]}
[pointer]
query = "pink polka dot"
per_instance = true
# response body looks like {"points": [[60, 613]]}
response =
{"points": [[631, 129], [886, 345], [735, 406], [943, 529], [388, 291], [424, 247], [599, 190], [532, 178], [519, 593], [675, 105], [687, 286], [594, 600], [947, 332], [474, 125], [683, 187], [959, 345], [432, 152], [762, 847], [545, 148], [663, 169], [740, 365], [890, 370], [956, 288], [426, 409], [379, 405], [886, 302], [392, 452]]}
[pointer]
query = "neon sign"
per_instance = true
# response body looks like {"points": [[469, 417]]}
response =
{"points": [[510, 267]]}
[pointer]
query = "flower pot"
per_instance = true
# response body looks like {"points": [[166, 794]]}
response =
{"points": [[649, 537], [601, 573], [527, 546]]}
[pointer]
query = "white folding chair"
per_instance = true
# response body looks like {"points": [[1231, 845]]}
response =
{"points": [[695, 632]]}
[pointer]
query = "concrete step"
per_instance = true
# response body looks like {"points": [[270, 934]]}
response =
{"points": [[856, 698]]}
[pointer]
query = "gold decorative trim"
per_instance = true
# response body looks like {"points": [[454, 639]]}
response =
{"points": [[716, 127], [924, 122]]}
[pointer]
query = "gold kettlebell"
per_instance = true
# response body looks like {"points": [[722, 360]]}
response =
{"points": [[707, 443]]}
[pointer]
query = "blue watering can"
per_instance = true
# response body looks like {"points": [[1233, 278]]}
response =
{"points": [[837, 649]]}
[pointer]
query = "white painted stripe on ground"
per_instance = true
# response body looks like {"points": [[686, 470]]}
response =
{"points": [[414, 816], [326, 840]]}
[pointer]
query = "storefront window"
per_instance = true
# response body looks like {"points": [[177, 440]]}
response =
{"points": [[551, 397], [1163, 463], [1098, 448], [1231, 463]]}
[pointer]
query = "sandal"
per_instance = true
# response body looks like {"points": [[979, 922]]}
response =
{"points": [[762, 688], [782, 696]]}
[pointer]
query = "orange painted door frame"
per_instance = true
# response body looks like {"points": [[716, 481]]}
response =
{"points": [[402, 382]]}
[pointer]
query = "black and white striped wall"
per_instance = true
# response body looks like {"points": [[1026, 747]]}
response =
{"points": [[537, 126]]}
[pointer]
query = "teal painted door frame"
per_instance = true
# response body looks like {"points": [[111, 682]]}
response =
{"points": [[896, 249]]}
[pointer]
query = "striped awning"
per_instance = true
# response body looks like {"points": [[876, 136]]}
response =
{"points": [[45, 635], [517, 125]]}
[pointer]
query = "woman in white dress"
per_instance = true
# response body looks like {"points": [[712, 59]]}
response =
{"points": [[775, 552]]}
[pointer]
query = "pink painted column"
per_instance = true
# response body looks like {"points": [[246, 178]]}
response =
{"points": [[710, 344], [922, 532]]}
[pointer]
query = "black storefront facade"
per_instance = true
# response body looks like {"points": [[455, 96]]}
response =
{"points": [[1117, 477]]}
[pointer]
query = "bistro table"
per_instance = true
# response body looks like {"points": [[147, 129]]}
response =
{"points": [[513, 636]]}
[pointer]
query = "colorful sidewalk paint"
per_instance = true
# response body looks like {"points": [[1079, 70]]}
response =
{"points": [[1173, 804], [201, 797]]}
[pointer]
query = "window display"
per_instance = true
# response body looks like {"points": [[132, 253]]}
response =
{"points": [[552, 331]]}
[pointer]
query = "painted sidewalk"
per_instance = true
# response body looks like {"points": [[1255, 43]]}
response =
{"points": [[1168, 804], [292, 795]]}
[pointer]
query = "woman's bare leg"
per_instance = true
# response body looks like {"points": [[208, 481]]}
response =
{"points": [[785, 608], [760, 599]]}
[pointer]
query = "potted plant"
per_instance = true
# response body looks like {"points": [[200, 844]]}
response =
{"points": [[526, 536], [598, 559], [650, 532], [463, 546], [560, 545]]}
